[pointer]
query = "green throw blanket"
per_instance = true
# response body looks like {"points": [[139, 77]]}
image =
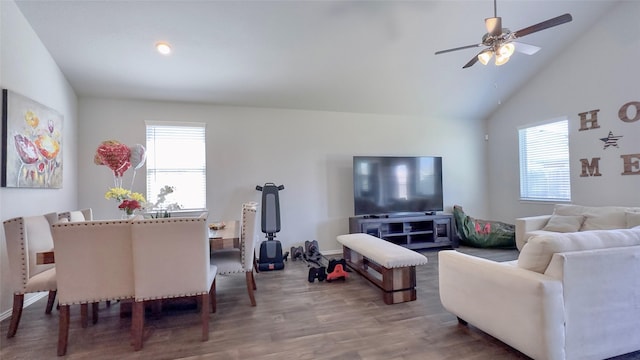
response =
{"points": [[483, 233]]}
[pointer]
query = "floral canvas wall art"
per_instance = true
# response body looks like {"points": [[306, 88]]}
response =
{"points": [[31, 143]]}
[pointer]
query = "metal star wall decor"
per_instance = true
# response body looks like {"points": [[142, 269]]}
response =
{"points": [[611, 140]]}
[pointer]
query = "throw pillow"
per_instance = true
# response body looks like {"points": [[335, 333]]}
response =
{"points": [[538, 251], [564, 223], [604, 218], [633, 219]]}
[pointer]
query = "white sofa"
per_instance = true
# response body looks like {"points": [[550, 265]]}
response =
{"points": [[573, 218], [568, 296]]}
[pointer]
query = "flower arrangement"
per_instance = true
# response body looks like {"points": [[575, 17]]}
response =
{"points": [[129, 201], [162, 210]]}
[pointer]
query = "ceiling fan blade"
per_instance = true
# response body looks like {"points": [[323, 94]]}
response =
{"points": [[473, 60], [458, 48], [494, 26], [525, 48], [558, 20]]}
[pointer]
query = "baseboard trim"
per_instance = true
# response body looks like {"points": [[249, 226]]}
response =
{"points": [[28, 300], [332, 252]]}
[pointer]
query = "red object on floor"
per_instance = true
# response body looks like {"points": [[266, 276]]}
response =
{"points": [[337, 273]]}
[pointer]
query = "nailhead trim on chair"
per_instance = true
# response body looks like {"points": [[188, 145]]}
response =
{"points": [[23, 257], [95, 300], [172, 296], [90, 223], [143, 222], [251, 207], [166, 220]]}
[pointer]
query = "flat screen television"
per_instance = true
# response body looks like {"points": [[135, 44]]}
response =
{"points": [[392, 185]]}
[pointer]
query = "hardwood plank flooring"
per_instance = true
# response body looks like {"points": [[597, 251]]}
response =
{"points": [[293, 319]]}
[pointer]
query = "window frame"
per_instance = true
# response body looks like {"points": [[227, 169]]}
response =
{"points": [[530, 188], [153, 170]]}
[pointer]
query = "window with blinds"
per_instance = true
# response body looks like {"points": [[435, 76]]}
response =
{"points": [[176, 156], [544, 162]]}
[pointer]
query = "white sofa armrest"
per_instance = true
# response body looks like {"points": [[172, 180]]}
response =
{"points": [[521, 308], [602, 288], [527, 224]]}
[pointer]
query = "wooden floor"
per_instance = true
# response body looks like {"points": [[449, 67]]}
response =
{"points": [[294, 319]]}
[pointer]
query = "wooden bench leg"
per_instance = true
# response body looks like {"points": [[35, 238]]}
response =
{"points": [[397, 284]]}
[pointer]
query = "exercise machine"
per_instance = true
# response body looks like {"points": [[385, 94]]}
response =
{"points": [[271, 257]]}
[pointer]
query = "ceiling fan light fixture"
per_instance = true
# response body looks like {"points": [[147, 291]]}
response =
{"points": [[485, 56], [503, 53], [506, 49], [501, 59]]}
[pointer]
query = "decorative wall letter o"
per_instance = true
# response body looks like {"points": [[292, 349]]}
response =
{"points": [[622, 113]]}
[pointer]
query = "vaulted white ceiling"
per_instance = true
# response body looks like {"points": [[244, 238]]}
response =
{"points": [[348, 56]]}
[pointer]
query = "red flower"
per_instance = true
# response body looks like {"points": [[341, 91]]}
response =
{"points": [[129, 206]]}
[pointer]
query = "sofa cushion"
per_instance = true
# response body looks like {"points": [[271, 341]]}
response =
{"points": [[537, 252], [596, 217], [564, 223], [604, 218], [568, 209], [633, 219]]}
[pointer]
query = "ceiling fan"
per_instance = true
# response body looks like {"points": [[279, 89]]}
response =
{"points": [[500, 42]]}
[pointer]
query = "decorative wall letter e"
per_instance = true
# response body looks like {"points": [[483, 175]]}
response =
{"points": [[631, 164]]}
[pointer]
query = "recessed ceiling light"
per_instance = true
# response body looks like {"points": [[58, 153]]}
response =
{"points": [[163, 48]]}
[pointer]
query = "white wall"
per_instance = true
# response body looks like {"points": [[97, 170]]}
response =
{"points": [[599, 71], [26, 67], [309, 152]]}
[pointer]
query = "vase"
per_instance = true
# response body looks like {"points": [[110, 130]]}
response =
{"points": [[126, 216]]}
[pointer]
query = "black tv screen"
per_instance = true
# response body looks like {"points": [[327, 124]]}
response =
{"points": [[387, 185]]}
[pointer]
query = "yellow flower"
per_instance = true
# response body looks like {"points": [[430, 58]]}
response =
{"points": [[117, 193], [137, 196]]}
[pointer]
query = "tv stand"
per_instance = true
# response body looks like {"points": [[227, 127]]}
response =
{"points": [[413, 232]]}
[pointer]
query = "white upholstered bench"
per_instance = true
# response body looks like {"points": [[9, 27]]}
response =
{"points": [[390, 267]]}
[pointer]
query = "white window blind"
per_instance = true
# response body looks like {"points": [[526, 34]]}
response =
{"points": [[544, 162], [176, 156]]}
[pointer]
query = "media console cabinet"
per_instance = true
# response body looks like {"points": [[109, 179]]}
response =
{"points": [[413, 232]]}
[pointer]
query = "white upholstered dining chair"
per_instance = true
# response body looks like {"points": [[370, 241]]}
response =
{"points": [[94, 263], [234, 261], [77, 215], [171, 260], [26, 236]]}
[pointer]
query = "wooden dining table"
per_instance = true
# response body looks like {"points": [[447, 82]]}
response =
{"points": [[227, 237]]}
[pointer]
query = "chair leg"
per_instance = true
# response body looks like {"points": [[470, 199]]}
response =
{"points": [[212, 296], [255, 263], [63, 330], [137, 324], [50, 301], [204, 314], [249, 276], [16, 313], [84, 315], [94, 311], [253, 282]]}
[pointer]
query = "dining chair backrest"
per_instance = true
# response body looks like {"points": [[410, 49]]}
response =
{"points": [[77, 215], [26, 236], [171, 257], [248, 234], [93, 261]]}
